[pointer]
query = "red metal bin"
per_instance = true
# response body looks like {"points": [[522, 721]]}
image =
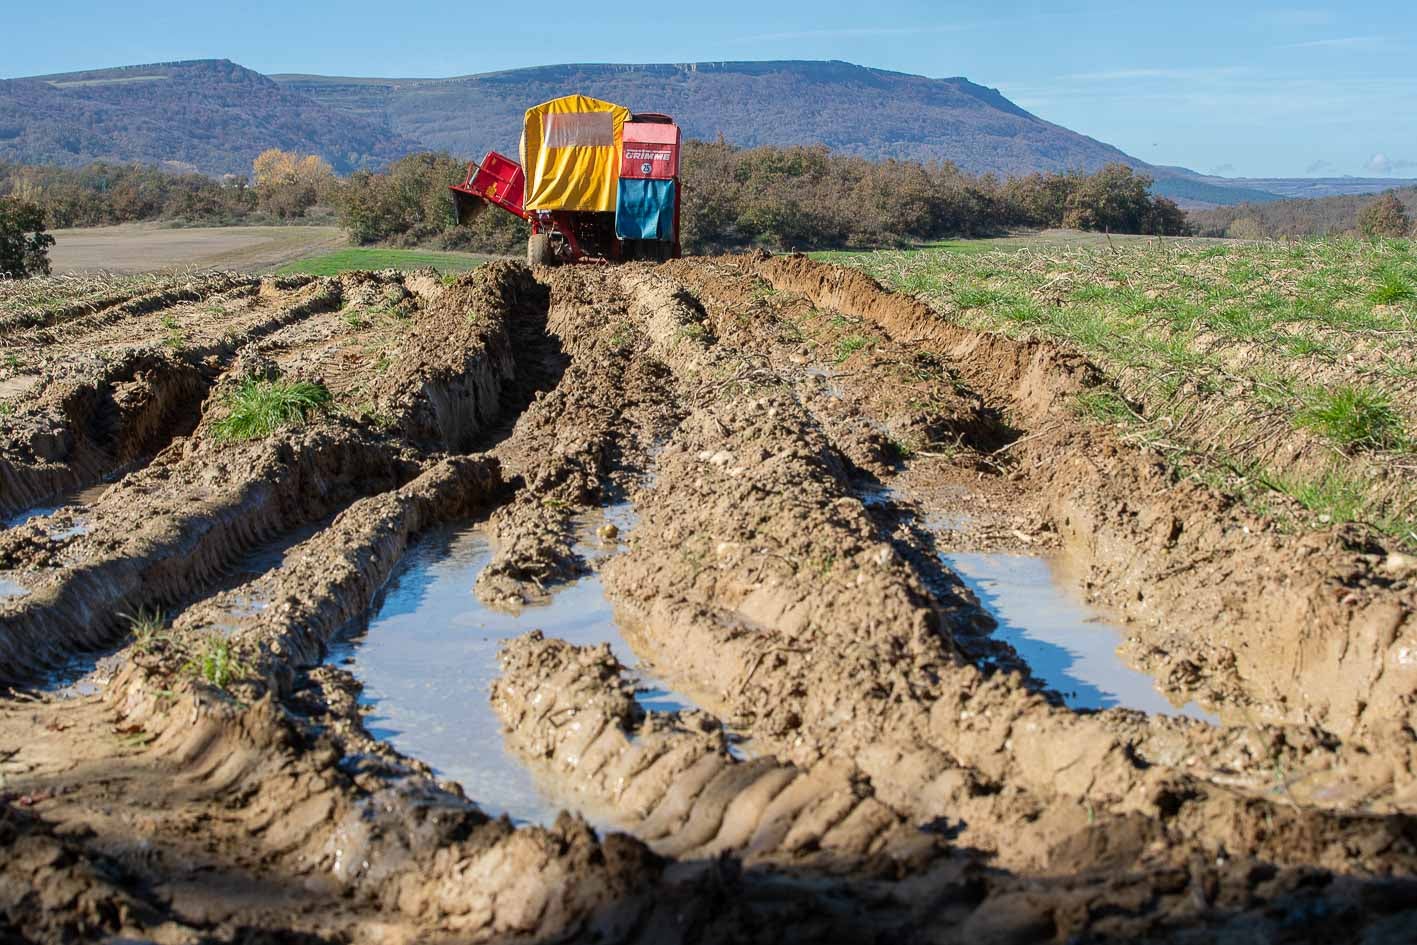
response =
{"points": [[498, 180]]}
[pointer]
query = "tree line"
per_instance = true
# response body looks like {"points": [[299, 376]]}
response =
{"points": [[733, 198], [1387, 214], [785, 198], [282, 187]]}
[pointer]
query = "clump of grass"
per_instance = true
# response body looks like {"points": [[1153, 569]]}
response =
{"points": [[623, 337], [977, 297], [368, 412], [258, 408], [146, 626], [898, 450], [1353, 417], [1301, 346], [1104, 406], [176, 337], [696, 332], [1334, 497], [216, 663], [1392, 286], [763, 291], [849, 345]]}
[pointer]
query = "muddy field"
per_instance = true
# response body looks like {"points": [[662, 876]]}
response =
{"points": [[868, 571]]}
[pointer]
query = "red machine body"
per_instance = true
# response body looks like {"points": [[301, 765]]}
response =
{"points": [[497, 180], [650, 145]]}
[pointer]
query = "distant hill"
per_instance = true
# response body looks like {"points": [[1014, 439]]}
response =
{"points": [[852, 109], [209, 115], [1322, 216], [216, 116]]}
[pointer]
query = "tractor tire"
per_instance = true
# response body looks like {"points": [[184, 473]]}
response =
{"points": [[538, 250]]}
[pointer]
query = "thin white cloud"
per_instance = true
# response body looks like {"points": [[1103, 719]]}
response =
{"points": [[1382, 164], [1343, 42], [1132, 75], [850, 32]]}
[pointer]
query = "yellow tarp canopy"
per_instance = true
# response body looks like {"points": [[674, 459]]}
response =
{"points": [[571, 154]]}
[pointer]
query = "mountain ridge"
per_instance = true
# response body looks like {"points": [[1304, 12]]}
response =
{"points": [[215, 115]]}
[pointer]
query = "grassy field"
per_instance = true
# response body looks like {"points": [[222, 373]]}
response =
{"points": [[1285, 373], [1033, 239], [343, 260]]}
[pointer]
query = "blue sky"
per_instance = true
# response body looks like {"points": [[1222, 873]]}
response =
{"points": [[1241, 89]]}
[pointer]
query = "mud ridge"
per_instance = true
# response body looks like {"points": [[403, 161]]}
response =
{"points": [[29, 329], [79, 435], [1211, 591], [76, 432], [150, 555], [671, 781], [612, 400], [447, 387], [1036, 378]]}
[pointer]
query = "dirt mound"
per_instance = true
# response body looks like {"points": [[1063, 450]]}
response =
{"points": [[869, 756]]}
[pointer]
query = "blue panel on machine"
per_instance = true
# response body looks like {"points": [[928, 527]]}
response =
{"points": [[645, 210]]}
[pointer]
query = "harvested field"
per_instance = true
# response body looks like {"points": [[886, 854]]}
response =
{"points": [[146, 247], [244, 516]]}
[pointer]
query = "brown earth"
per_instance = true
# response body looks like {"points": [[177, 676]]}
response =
{"points": [[791, 436], [146, 247]]}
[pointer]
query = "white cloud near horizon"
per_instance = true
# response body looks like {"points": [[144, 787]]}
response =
{"points": [[1382, 164], [1342, 42]]}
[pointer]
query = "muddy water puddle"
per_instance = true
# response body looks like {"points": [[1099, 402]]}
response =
{"points": [[9, 588], [75, 499], [1068, 646], [428, 659]]}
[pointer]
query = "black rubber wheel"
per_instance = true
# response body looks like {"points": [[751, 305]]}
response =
{"points": [[538, 250]]}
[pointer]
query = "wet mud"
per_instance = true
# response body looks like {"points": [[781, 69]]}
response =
{"points": [[320, 650]]}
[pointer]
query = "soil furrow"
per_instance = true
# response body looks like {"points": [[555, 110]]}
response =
{"points": [[160, 535], [556, 700], [76, 432], [1210, 589], [793, 439]]}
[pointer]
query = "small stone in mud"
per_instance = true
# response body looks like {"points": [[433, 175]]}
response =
{"points": [[1399, 564], [608, 532]]}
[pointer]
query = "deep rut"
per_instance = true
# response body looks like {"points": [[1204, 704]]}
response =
{"points": [[769, 418]]}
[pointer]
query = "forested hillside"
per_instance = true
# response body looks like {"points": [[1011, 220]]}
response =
{"points": [[215, 116], [210, 115]]}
